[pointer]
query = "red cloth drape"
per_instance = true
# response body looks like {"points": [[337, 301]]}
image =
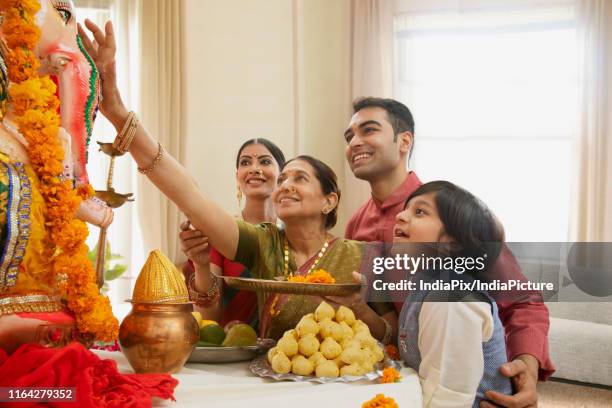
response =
{"points": [[97, 381]]}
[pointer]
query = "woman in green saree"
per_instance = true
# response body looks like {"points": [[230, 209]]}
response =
{"points": [[306, 200]]}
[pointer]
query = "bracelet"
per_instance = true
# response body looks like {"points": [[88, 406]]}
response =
{"points": [[388, 337], [131, 133], [207, 299], [124, 138], [155, 162]]}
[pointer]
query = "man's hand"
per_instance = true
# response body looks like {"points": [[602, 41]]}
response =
{"points": [[352, 301], [524, 373], [194, 244]]}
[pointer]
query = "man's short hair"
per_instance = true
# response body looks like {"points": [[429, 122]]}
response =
{"points": [[399, 115]]}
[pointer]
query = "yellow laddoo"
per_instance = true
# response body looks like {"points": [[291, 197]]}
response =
{"points": [[317, 358], [324, 311], [352, 369], [288, 346], [344, 314], [302, 366], [281, 363], [307, 325], [308, 345], [327, 369], [330, 348], [352, 355]]}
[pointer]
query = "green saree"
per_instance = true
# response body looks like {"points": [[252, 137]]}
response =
{"points": [[260, 249]]}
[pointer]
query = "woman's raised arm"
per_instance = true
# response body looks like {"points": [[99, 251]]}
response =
{"points": [[163, 170]]}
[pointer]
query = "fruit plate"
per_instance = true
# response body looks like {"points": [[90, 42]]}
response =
{"points": [[295, 288], [230, 354], [261, 367]]}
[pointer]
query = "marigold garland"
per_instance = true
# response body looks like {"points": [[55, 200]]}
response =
{"points": [[35, 106], [380, 401], [318, 276]]}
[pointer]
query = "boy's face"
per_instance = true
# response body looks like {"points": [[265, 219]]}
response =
{"points": [[419, 222], [371, 150]]}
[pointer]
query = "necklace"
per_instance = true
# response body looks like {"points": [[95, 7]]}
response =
{"points": [[314, 264]]}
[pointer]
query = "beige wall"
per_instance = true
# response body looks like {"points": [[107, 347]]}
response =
{"points": [[264, 68]]}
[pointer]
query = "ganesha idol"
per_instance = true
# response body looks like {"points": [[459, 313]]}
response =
{"points": [[29, 300]]}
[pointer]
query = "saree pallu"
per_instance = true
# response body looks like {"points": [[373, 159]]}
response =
{"points": [[261, 249]]}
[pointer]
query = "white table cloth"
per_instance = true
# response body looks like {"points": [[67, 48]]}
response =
{"points": [[233, 386]]}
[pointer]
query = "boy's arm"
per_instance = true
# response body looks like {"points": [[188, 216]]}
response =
{"points": [[450, 342]]}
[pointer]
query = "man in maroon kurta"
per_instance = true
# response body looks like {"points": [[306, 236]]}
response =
{"points": [[379, 140]]}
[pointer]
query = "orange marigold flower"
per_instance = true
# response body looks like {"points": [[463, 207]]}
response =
{"points": [[318, 276], [392, 352], [390, 375], [380, 401]]}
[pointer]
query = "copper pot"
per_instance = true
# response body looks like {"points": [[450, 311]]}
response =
{"points": [[158, 337]]}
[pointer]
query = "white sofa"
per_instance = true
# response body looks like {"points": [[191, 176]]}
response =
{"points": [[580, 341]]}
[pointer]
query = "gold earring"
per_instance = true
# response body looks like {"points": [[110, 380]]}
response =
{"points": [[239, 195]]}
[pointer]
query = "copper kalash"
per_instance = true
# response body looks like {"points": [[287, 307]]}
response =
{"points": [[160, 332]]}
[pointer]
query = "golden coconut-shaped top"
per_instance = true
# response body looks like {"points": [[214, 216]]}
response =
{"points": [[160, 282]]}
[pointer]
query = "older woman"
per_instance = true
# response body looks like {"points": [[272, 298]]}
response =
{"points": [[306, 200]]}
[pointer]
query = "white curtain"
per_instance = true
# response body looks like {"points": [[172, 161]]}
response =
{"points": [[592, 189], [372, 74], [161, 112]]}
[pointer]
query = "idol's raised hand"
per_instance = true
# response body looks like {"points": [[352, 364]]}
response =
{"points": [[102, 50]]}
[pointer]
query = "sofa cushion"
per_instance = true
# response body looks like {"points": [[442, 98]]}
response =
{"points": [[595, 312], [581, 350]]}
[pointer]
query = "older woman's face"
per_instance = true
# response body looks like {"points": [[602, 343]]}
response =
{"points": [[299, 195], [257, 171]]}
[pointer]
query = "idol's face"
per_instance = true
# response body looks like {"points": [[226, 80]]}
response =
{"points": [[68, 64]]}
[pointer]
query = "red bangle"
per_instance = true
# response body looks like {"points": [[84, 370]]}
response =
{"points": [[207, 299]]}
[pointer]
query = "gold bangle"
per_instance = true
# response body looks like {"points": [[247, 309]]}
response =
{"points": [[155, 162], [130, 134], [207, 299], [121, 143]]}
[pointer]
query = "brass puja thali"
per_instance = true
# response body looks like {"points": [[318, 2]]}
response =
{"points": [[295, 288]]}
